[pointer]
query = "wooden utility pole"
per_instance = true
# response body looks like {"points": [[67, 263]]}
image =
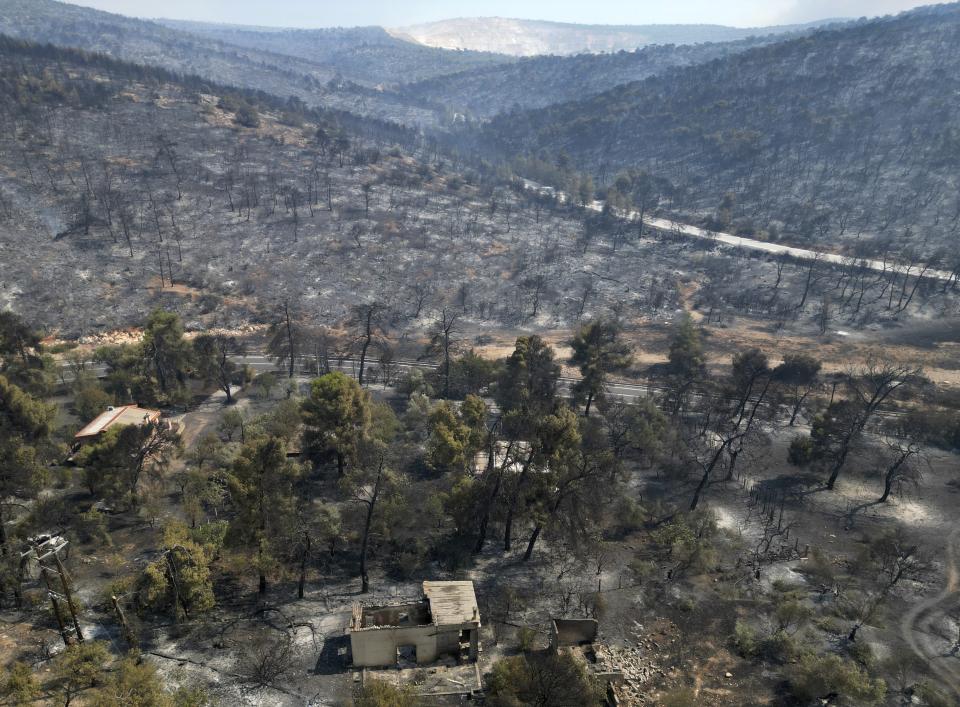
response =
{"points": [[64, 633], [43, 551], [66, 591], [128, 633]]}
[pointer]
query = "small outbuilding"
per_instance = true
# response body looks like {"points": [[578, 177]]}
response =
{"points": [[116, 417], [446, 621], [565, 633]]}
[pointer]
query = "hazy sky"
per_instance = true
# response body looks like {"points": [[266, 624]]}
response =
{"points": [[327, 13]]}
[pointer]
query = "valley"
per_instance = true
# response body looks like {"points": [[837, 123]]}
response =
{"points": [[493, 361]]}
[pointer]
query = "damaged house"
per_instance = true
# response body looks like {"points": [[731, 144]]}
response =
{"points": [[445, 622], [116, 417]]}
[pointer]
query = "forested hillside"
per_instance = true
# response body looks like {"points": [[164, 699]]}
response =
{"points": [[132, 187], [540, 81], [830, 138], [153, 44], [362, 54]]}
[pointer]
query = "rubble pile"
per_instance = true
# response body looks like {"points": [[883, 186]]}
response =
{"points": [[636, 666]]}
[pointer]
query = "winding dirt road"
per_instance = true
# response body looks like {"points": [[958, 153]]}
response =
{"points": [[914, 627]]}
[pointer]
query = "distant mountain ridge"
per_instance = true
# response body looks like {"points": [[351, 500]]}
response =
{"points": [[517, 37], [368, 55], [540, 81], [151, 43]]}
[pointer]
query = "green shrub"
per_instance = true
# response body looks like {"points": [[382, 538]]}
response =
{"points": [[210, 535], [264, 384], [629, 516], [410, 558], [931, 696], [247, 116], [816, 676], [542, 679], [91, 527], [413, 382], [863, 654], [745, 640], [60, 348], [80, 667], [377, 693], [192, 696], [19, 684], [643, 569], [801, 450], [941, 428], [781, 647], [688, 542], [791, 615], [831, 624], [526, 637], [131, 682], [90, 400]]}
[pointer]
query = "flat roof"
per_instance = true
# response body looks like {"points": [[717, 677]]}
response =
{"points": [[122, 415], [452, 603]]}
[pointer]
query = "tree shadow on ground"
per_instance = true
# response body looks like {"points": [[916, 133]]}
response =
{"points": [[792, 488], [333, 656]]}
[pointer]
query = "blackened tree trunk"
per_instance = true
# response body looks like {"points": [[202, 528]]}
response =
{"points": [[292, 349], [893, 473], [371, 503], [303, 564], [532, 541], [508, 525], [485, 518], [705, 479]]}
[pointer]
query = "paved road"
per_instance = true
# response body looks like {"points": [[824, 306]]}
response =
{"points": [[799, 253], [729, 239]]}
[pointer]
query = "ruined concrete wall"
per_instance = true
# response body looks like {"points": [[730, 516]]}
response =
{"points": [[572, 632], [378, 647]]}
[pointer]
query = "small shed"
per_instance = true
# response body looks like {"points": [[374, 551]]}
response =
{"points": [[572, 632], [116, 417]]}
